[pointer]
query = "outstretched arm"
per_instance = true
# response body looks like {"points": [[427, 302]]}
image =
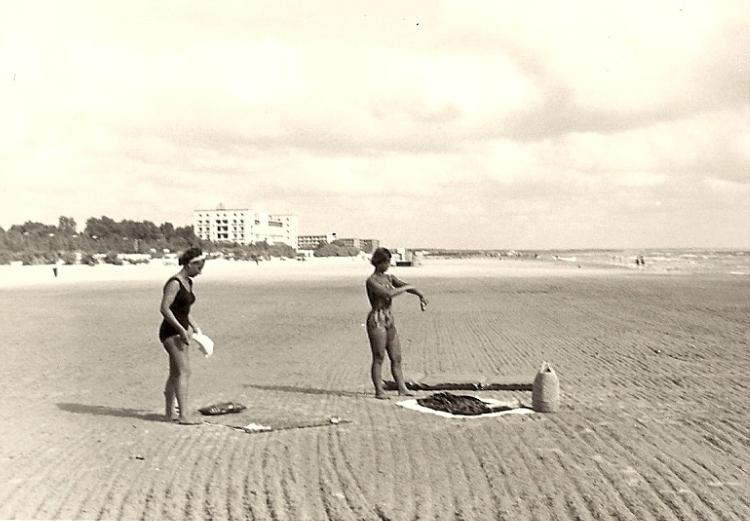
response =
{"points": [[385, 291], [409, 288]]}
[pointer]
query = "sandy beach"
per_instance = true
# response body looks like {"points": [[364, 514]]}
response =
{"points": [[653, 422], [276, 269]]}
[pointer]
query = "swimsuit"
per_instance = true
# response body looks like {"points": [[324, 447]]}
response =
{"points": [[180, 308], [381, 316], [380, 319]]}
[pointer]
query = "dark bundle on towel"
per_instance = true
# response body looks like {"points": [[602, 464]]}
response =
{"points": [[455, 404], [222, 408]]}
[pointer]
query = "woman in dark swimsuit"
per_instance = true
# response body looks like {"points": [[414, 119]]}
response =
{"points": [[176, 301], [381, 329]]}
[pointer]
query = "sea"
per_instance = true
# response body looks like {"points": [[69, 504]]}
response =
{"points": [[734, 262]]}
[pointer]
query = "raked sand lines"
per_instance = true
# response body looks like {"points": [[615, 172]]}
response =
{"points": [[640, 435]]}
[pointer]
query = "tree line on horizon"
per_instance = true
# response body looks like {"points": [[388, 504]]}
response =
{"points": [[104, 238]]}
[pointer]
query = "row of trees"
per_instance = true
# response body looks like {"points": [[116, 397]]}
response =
{"points": [[38, 243]]}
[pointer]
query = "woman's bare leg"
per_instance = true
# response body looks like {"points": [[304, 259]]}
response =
{"points": [[170, 394], [378, 340], [179, 374], [393, 346]]}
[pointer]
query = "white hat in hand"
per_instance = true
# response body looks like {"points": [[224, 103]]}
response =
{"points": [[205, 344]]}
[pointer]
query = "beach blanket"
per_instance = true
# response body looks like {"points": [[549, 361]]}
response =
{"points": [[464, 407]]}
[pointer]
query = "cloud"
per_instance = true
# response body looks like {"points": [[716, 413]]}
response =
{"points": [[489, 124]]}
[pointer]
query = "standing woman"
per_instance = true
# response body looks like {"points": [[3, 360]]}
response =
{"points": [[381, 327], [175, 308]]}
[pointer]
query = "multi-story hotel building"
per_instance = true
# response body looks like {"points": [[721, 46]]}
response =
{"points": [[244, 226]]}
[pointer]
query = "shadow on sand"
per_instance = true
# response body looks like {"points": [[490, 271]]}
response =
{"points": [[308, 390], [101, 410]]}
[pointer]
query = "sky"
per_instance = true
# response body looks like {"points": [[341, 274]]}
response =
{"points": [[466, 124]]}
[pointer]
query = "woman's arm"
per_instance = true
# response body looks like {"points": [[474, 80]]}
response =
{"points": [[409, 288], [170, 293], [384, 291]]}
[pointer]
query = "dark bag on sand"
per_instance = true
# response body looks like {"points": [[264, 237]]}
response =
{"points": [[222, 408]]}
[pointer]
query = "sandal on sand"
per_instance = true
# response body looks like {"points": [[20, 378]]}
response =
{"points": [[222, 408]]}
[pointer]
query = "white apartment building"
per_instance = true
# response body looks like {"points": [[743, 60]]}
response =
{"points": [[244, 226]]}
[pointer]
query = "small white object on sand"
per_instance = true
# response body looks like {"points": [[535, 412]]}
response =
{"points": [[256, 427]]}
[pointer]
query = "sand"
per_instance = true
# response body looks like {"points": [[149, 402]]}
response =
{"points": [[653, 422], [276, 269]]}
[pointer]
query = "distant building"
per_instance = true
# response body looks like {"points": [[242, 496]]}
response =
{"points": [[244, 226], [366, 245], [350, 242], [310, 242], [369, 245]]}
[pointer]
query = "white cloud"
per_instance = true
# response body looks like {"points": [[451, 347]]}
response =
{"points": [[389, 117]]}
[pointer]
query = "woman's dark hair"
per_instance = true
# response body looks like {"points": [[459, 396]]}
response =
{"points": [[189, 255], [380, 255]]}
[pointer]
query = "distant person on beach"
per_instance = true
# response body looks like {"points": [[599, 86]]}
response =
{"points": [[381, 329], [176, 301]]}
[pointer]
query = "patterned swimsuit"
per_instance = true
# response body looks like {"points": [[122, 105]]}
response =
{"points": [[381, 316]]}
